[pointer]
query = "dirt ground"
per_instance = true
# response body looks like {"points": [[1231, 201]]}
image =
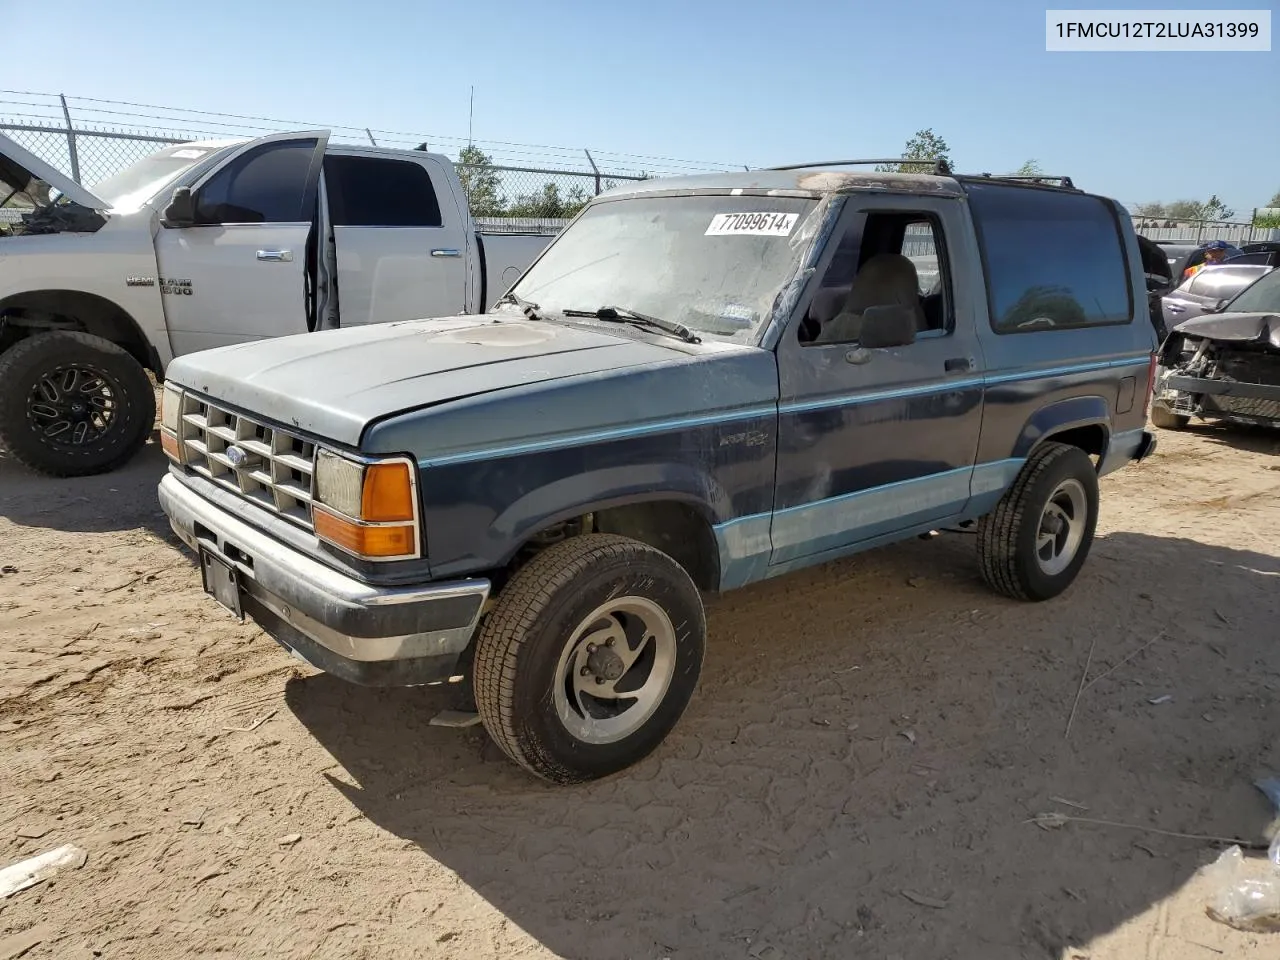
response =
{"points": [[854, 778]]}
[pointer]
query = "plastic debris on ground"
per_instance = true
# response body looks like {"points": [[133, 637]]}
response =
{"points": [[1242, 902], [27, 873]]}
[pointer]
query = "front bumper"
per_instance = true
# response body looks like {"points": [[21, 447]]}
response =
{"points": [[1223, 388], [1237, 401], [373, 636]]}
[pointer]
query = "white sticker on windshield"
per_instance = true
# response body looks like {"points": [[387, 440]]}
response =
{"points": [[752, 224], [189, 154]]}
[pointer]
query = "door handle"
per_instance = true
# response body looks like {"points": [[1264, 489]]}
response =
{"points": [[276, 256], [445, 253], [959, 365]]}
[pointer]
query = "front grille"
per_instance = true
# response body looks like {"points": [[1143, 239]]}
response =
{"points": [[275, 470]]}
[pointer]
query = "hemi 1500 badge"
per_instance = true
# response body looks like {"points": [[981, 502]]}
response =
{"points": [[178, 287]]}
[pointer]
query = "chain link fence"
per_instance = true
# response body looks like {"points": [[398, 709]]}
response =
{"points": [[514, 187], [508, 199], [519, 188]]}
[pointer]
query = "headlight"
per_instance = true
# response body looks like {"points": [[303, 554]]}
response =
{"points": [[368, 509], [170, 421]]}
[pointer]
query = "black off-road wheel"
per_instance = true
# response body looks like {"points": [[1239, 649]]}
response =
{"points": [[72, 404], [1033, 544], [589, 657]]}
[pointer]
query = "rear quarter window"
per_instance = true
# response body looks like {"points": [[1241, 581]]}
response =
{"points": [[1052, 260]]}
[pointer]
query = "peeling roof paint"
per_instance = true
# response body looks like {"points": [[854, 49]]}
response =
{"points": [[810, 182]]}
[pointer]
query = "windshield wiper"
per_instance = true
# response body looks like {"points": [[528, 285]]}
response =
{"points": [[623, 315], [530, 309]]}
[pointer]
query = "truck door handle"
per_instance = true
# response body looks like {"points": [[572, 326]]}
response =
{"points": [[445, 253], [959, 365], [276, 256]]}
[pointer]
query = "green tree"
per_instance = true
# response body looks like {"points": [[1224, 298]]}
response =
{"points": [[1029, 169], [549, 203], [1275, 201], [1151, 211], [480, 182], [924, 146], [1215, 209], [1184, 210], [1211, 209]]}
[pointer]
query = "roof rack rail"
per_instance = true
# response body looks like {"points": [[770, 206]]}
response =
{"points": [[939, 165], [1064, 182]]}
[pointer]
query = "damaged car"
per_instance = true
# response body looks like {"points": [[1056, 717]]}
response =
{"points": [[1224, 365]]}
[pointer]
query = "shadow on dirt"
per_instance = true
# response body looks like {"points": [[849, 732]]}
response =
{"points": [[861, 783], [1248, 439], [124, 499]]}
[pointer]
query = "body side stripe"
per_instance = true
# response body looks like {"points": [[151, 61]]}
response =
{"points": [[763, 410]]}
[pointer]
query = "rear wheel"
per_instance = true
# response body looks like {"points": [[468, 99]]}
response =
{"points": [[589, 657], [1032, 546], [72, 404]]}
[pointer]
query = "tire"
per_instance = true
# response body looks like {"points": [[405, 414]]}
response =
{"points": [[1012, 548], [1166, 419], [55, 432], [533, 665]]}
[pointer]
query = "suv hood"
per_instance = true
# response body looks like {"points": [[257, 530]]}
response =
{"points": [[335, 383], [1261, 328], [19, 166]]}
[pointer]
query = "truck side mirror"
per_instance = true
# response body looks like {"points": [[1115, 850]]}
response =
{"points": [[181, 211], [891, 325]]}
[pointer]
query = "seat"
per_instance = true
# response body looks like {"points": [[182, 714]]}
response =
{"points": [[886, 279]]}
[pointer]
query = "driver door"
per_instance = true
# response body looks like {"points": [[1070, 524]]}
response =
{"points": [[240, 271]]}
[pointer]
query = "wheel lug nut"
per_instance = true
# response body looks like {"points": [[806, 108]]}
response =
{"points": [[599, 679], [591, 648], [609, 642], [585, 671]]}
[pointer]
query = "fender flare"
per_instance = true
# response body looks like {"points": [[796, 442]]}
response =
{"points": [[1063, 415], [597, 490], [94, 314]]}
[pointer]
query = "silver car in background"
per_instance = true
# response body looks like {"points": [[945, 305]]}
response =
{"points": [[1208, 290]]}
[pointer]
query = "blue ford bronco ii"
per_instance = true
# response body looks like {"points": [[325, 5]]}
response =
{"points": [[701, 383]]}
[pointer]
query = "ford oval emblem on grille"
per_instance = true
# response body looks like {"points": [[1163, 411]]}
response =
{"points": [[237, 456]]}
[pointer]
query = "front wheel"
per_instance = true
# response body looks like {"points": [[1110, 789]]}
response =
{"points": [[1033, 544], [1166, 419], [72, 404], [589, 657]]}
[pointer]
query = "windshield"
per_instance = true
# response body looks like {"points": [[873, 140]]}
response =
{"points": [[1262, 297], [712, 263], [139, 182]]}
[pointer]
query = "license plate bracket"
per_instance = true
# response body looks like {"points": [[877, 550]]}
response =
{"points": [[221, 581]]}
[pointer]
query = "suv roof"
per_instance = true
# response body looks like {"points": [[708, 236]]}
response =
{"points": [[806, 180]]}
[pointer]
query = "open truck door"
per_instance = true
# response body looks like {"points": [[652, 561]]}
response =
{"points": [[233, 247]]}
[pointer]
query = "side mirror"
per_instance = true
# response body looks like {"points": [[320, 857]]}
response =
{"points": [[891, 325], [181, 211]]}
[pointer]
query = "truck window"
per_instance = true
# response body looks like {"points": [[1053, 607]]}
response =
{"points": [[265, 185], [886, 257], [1052, 259], [377, 192]]}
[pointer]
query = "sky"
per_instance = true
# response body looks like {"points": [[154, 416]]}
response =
{"points": [[750, 82]]}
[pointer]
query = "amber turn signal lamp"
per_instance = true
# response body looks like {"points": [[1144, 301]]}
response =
{"points": [[362, 539], [388, 493], [169, 444]]}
